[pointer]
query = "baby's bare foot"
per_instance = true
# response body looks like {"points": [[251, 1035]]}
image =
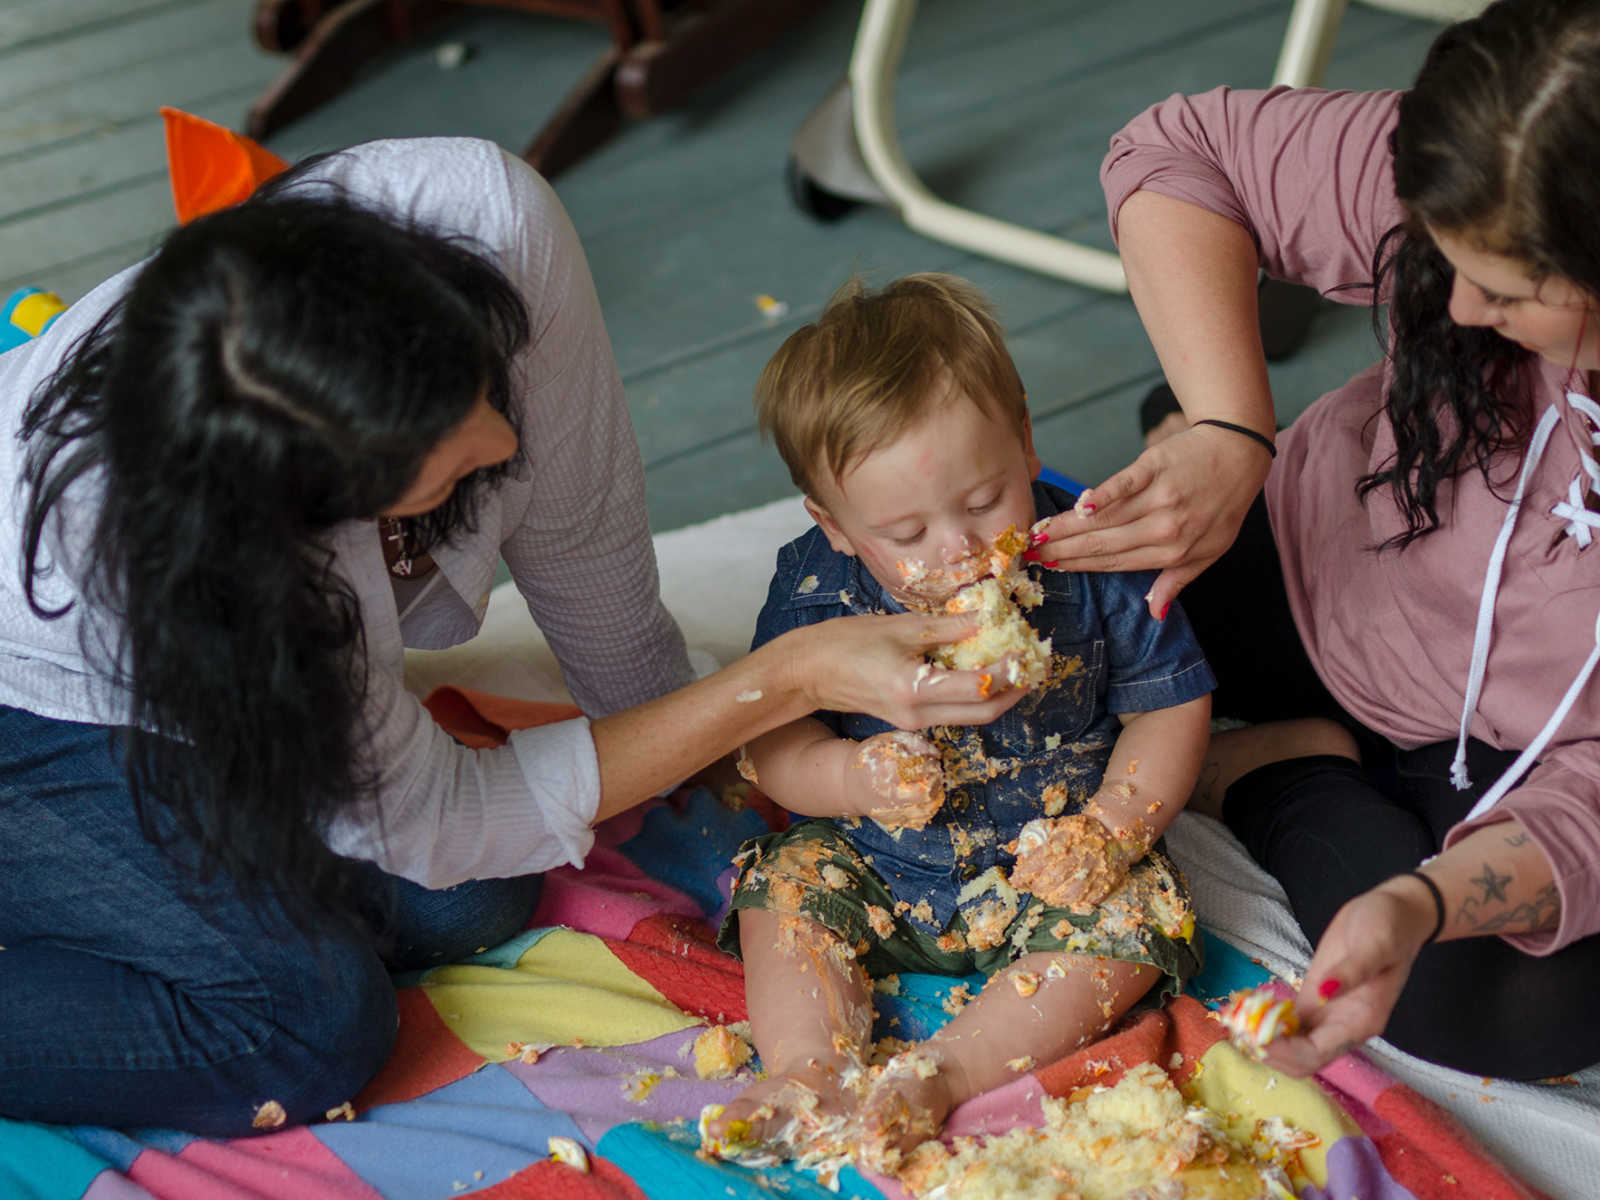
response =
{"points": [[784, 1113], [905, 1106]]}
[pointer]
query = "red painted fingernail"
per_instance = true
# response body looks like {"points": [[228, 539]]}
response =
{"points": [[1088, 508], [1038, 539], [1329, 988], [1051, 563], [1165, 609], [1030, 555]]}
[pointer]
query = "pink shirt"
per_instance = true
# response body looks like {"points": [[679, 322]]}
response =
{"points": [[1309, 174]]}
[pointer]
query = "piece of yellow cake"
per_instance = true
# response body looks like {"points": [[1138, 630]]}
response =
{"points": [[996, 597]]}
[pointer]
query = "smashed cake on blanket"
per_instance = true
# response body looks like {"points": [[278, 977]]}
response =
{"points": [[1139, 1138], [994, 588]]}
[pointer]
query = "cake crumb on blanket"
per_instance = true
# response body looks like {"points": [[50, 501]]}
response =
{"points": [[719, 1052], [569, 1153]]}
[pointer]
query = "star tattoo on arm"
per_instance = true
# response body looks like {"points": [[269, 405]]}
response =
{"points": [[1493, 884]]}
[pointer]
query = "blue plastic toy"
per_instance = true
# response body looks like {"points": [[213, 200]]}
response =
{"points": [[27, 313]]}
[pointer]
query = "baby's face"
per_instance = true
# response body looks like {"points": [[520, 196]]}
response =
{"points": [[921, 512]]}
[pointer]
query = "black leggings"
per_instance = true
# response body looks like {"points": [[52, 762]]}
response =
{"points": [[1330, 829]]}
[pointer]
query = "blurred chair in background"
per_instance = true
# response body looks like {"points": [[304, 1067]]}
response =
{"points": [[661, 52]]}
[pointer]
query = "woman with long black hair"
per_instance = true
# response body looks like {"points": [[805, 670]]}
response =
{"points": [[248, 474], [1420, 585]]}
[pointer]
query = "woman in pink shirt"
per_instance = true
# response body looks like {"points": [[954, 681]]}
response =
{"points": [[1414, 584]]}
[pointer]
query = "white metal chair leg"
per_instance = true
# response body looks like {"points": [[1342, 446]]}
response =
{"points": [[1308, 42], [879, 45], [875, 61]]}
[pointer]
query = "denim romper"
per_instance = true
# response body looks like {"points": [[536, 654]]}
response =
{"points": [[1108, 656]]}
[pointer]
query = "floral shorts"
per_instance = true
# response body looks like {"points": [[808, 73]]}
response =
{"points": [[813, 870]]}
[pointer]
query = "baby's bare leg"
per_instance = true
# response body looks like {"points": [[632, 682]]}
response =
{"points": [[810, 1019], [1043, 1006]]}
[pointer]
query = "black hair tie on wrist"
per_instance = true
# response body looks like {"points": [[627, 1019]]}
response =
{"points": [[1249, 433], [1438, 903]]}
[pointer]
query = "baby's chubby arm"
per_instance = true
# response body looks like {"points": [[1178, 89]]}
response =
{"points": [[1078, 861], [896, 777], [1152, 772]]}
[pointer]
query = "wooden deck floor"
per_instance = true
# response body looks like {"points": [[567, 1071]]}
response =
{"points": [[686, 219]]}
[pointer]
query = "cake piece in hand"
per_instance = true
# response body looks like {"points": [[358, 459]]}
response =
{"points": [[1255, 1016], [997, 600]]}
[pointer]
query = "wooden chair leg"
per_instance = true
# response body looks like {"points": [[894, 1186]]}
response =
{"points": [[280, 26], [587, 118], [656, 76], [342, 41]]}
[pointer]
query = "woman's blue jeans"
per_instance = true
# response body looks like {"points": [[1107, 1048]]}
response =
{"points": [[130, 995]]}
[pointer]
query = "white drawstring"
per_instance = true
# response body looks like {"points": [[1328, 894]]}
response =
{"points": [[1573, 510], [1579, 522], [1491, 589], [1527, 757]]}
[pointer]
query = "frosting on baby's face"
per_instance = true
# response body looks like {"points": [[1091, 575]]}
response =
{"points": [[923, 512]]}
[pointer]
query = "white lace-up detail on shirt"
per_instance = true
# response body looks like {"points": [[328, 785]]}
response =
{"points": [[1580, 522]]}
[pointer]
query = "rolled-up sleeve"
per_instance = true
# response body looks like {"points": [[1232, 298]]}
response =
{"points": [[1307, 173], [1150, 664], [442, 813], [1559, 806]]}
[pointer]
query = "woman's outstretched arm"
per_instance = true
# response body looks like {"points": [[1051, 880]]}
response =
{"points": [[1495, 880], [871, 664]]}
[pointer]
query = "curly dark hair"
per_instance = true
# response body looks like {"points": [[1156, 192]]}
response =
{"points": [[275, 369], [1489, 146]]}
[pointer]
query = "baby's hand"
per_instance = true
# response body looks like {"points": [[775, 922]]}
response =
{"points": [[903, 776], [1069, 862]]}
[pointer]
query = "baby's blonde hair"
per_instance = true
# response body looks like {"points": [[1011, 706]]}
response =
{"points": [[873, 363]]}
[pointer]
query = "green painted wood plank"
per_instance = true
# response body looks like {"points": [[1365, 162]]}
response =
{"points": [[32, 246], [58, 174], [162, 33], [74, 279], [100, 103], [23, 25], [726, 476], [708, 394]]}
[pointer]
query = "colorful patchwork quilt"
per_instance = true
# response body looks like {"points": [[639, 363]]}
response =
{"points": [[610, 986]]}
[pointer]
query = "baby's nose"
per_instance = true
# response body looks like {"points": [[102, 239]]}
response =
{"points": [[962, 545]]}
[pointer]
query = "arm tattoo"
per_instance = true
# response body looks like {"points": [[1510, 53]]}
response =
{"points": [[1538, 913], [1492, 883]]}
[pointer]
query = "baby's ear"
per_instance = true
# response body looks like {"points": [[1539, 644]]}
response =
{"points": [[830, 528], [1035, 464]]}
